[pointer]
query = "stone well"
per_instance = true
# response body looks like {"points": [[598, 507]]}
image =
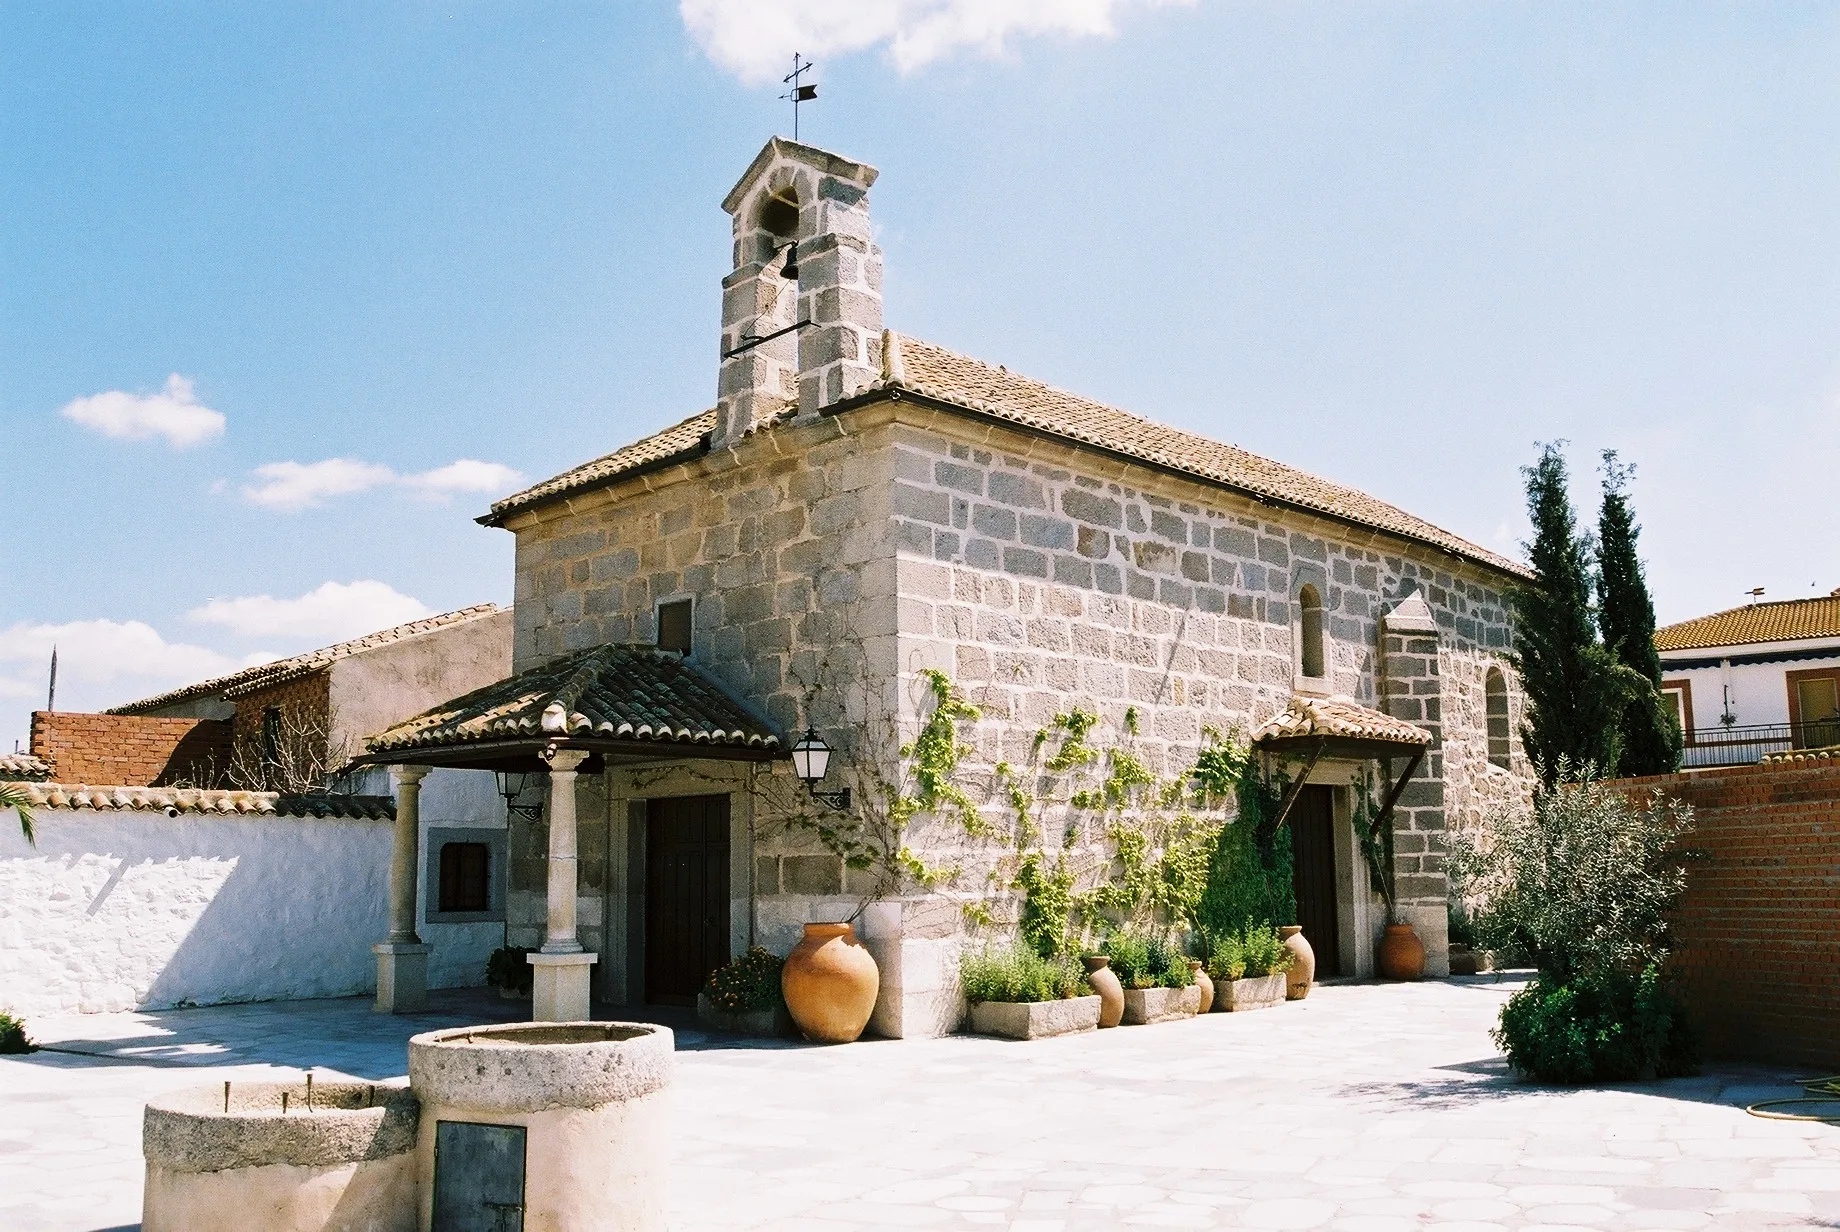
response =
{"points": [[567, 1121], [341, 1160]]}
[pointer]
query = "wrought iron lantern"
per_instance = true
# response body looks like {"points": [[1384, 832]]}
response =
{"points": [[811, 758], [511, 785]]}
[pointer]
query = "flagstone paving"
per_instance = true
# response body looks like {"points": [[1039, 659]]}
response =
{"points": [[1367, 1108]]}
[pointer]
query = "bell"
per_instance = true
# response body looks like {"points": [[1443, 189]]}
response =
{"points": [[791, 269]]}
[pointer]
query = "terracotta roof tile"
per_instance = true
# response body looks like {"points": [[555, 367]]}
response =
{"points": [[1783, 620], [22, 767], [200, 800], [265, 675], [613, 692], [948, 377], [1337, 718]]}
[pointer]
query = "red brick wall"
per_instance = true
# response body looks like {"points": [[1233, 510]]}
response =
{"points": [[128, 750], [1758, 938]]}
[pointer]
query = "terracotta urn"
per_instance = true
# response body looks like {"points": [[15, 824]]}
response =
{"points": [[1302, 974], [1104, 981], [1402, 954], [1202, 982], [830, 981]]}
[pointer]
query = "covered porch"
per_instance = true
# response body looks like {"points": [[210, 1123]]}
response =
{"points": [[552, 735]]}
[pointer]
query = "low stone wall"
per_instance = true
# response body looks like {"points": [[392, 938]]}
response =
{"points": [[1758, 937]]}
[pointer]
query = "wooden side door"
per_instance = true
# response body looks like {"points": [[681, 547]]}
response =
{"points": [[686, 895], [1312, 823]]}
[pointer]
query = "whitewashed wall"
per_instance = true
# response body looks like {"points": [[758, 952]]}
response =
{"points": [[118, 910]]}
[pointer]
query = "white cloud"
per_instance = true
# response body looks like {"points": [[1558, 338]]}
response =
{"points": [[755, 39], [333, 612], [174, 414], [302, 485], [465, 475], [305, 485]]}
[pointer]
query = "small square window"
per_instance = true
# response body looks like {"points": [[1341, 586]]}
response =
{"points": [[674, 626], [466, 877]]}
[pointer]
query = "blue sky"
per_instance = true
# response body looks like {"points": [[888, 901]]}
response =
{"points": [[399, 255]]}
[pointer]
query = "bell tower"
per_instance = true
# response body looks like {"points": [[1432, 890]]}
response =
{"points": [[802, 311]]}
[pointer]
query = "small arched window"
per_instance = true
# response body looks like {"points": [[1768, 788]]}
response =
{"points": [[1311, 633], [1495, 690], [779, 214]]}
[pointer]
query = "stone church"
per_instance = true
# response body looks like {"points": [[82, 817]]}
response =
{"points": [[863, 516]]}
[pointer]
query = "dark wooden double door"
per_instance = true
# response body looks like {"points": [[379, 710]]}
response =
{"points": [[1312, 823], [686, 895]]}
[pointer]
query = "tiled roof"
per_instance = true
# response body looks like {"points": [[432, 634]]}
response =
{"points": [[1338, 719], [22, 767], [1805, 757], [1783, 620], [265, 675], [614, 692], [200, 800], [948, 377]]}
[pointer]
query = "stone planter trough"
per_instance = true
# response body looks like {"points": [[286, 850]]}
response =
{"points": [[1026, 1020], [1261, 992], [561, 1127], [774, 1023], [1148, 1005], [344, 1163]]}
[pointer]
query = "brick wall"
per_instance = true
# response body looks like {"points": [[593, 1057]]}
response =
{"points": [[123, 750], [1758, 948]]}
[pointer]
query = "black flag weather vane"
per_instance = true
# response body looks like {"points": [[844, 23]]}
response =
{"points": [[797, 91]]}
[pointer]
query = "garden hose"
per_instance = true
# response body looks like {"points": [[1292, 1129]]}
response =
{"points": [[1820, 1091]]}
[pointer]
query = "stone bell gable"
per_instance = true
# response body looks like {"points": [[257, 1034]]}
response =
{"points": [[804, 252]]}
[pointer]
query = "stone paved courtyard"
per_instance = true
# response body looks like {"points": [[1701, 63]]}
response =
{"points": [[1367, 1108]]}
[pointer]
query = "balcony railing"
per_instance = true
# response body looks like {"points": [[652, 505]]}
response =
{"points": [[1745, 746]]}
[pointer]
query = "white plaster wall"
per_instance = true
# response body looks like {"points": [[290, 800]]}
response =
{"points": [[373, 689], [125, 910]]}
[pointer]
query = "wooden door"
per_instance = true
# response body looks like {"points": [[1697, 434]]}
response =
{"points": [[1312, 823], [686, 895]]}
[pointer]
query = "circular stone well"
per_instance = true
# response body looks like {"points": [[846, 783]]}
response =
{"points": [[590, 1150], [342, 1162]]}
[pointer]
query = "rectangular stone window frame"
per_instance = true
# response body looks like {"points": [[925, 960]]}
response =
{"points": [[495, 840], [675, 625]]}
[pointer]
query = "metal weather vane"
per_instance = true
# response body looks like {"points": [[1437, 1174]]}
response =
{"points": [[797, 91]]}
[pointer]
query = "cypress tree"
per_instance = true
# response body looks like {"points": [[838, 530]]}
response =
{"points": [[1649, 734], [1574, 688]]}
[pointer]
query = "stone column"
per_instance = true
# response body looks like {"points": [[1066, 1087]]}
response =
{"points": [[1412, 685], [560, 979], [402, 959]]}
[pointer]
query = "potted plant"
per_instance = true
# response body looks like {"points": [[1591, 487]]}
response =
{"points": [[743, 996], [1016, 993], [1401, 955], [1248, 969], [508, 970], [1158, 986]]}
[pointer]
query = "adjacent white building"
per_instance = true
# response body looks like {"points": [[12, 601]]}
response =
{"points": [[1755, 679]]}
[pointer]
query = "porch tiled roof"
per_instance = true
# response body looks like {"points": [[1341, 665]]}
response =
{"points": [[280, 671], [947, 377], [200, 800], [614, 692], [1340, 719], [22, 768], [1786, 620]]}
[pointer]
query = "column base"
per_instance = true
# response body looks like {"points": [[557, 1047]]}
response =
{"points": [[402, 976], [559, 987]]}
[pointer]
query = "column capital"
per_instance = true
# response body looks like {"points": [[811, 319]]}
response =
{"points": [[564, 761], [408, 776]]}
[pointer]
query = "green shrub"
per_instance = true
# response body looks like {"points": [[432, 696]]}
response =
{"points": [[1018, 973], [1608, 1028], [1247, 954], [13, 1035], [509, 968], [1458, 926], [1147, 960], [1249, 872], [750, 982], [1226, 959]]}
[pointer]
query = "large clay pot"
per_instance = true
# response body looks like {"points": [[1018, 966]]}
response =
{"points": [[1402, 954], [1302, 974], [830, 981], [1202, 982], [1104, 981]]}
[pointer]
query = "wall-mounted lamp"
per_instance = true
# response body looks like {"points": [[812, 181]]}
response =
{"points": [[511, 785], [811, 757]]}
